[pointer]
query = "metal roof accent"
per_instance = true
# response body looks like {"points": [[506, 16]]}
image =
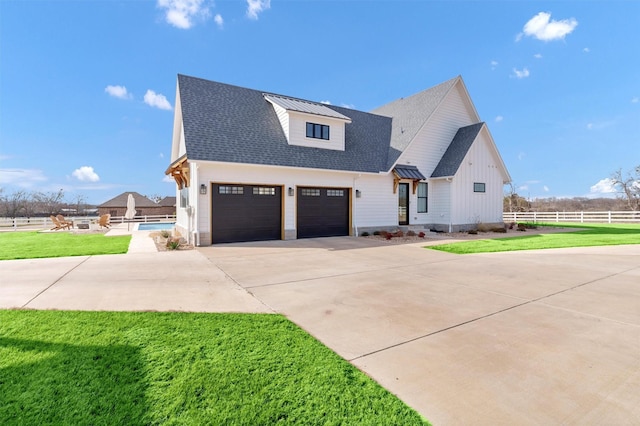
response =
{"points": [[404, 171], [291, 104]]}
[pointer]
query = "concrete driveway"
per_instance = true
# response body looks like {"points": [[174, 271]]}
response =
{"points": [[539, 337], [544, 337]]}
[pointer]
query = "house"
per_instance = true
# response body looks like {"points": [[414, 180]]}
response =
{"points": [[117, 206], [252, 165]]}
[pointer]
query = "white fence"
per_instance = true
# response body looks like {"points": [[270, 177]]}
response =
{"points": [[581, 217], [24, 223]]}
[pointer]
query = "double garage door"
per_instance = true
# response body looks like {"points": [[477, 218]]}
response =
{"points": [[254, 212]]}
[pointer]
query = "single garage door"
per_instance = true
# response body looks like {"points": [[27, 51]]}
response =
{"points": [[246, 213], [322, 212]]}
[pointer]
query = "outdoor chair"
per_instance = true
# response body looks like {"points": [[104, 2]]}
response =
{"points": [[64, 221], [104, 221], [57, 225]]}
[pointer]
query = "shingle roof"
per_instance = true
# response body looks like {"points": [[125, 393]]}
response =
{"points": [[410, 114], [238, 125], [457, 150], [121, 201], [168, 202], [291, 104]]}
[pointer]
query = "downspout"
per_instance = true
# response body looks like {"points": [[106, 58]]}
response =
{"points": [[450, 180], [197, 208]]}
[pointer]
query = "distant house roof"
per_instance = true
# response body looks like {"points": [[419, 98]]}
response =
{"points": [[291, 104], [121, 201], [457, 150], [167, 202]]}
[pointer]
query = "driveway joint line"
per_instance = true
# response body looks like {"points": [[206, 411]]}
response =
{"points": [[55, 282], [488, 315]]}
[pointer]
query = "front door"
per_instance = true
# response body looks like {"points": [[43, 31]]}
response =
{"points": [[403, 204]]}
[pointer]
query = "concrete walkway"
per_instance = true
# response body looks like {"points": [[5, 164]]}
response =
{"points": [[540, 337]]}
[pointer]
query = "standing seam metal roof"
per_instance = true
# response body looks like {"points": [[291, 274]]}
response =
{"points": [[299, 105]]}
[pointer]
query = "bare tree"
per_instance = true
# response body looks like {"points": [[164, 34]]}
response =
{"points": [[48, 202], [629, 186], [15, 204], [513, 202]]}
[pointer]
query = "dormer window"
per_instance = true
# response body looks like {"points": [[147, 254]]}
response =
{"points": [[317, 131]]}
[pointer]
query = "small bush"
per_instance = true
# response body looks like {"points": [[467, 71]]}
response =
{"points": [[411, 234], [483, 227], [165, 233], [388, 236], [399, 233], [473, 232], [376, 232], [512, 225], [421, 234], [173, 244], [522, 227], [383, 233], [364, 234], [499, 229]]}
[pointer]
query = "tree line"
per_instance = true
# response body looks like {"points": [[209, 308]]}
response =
{"points": [[34, 204], [627, 186]]}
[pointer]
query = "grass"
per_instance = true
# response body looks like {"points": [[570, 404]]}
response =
{"points": [[104, 368], [588, 235], [30, 245]]}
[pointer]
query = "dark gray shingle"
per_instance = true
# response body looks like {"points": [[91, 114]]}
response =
{"points": [[458, 148]]}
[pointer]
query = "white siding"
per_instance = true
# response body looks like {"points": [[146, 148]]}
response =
{"points": [[298, 131], [283, 116], [480, 165], [439, 202]]}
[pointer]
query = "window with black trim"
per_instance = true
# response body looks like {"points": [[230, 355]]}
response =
{"points": [[318, 131], [423, 197], [310, 192], [335, 192], [231, 190], [263, 190], [478, 187]]}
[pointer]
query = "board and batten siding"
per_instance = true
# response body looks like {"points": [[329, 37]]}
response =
{"points": [[283, 116], [479, 165], [440, 203]]}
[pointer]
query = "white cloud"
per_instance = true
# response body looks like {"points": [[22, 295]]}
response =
{"points": [[499, 118], [604, 186], [118, 92], [600, 125], [257, 6], [538, 56], [182, 13], [523, 73], [350, 106], [494, 65], [326, 102], [586, 50], [85, 174], [545, 188], [523, 188], [219, 21], [543, 28], [521, 155], [157, 100], [589, 126], [635, 100]]}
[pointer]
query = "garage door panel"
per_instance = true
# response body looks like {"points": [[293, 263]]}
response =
{"points": [[246, 213], [322, 212]]}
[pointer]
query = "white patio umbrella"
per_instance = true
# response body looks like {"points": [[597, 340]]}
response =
{"points": [[131, 209]]}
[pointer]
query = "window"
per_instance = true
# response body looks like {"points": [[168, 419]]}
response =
{"points": [[423, 197], [335, 192], [317, 131], [233, 190], [310, 192], [261, 190], [478, 187], [184, 197]]}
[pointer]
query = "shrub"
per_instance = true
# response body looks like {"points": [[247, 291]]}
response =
{"points": [[522, 227], [173, 243], [364, 234], [165, 233], [388, 235], [499, 229], [421, 234], [473, 232], [483, 227], [411, 234], [376, 232], [399, 233]]}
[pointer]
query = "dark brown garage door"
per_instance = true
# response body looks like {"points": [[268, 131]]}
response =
{"points": [[322, 212], [246, 213]]}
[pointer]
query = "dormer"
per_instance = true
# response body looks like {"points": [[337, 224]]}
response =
{"points": [[308, 123]]}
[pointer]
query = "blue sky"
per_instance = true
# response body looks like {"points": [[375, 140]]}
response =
{"points": [[87, 88]]}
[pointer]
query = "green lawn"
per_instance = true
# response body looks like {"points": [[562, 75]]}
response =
{"points": [[586, 235], [108, 368], [30, 245]]}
